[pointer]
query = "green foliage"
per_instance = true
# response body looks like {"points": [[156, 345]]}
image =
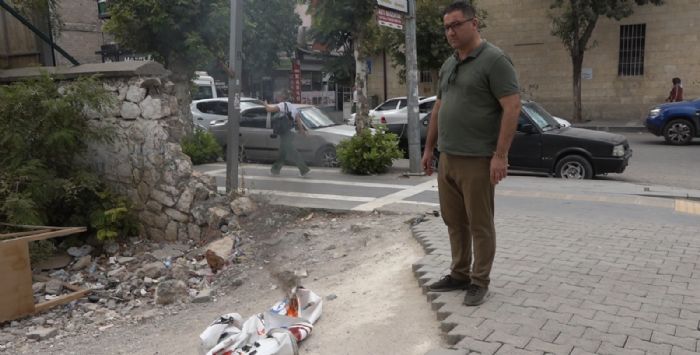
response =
{"points": [[270, 27], [431, 45], [369, 152], [340, 25], [114, 218], [189, 35], [43, 129], [201, 147]]}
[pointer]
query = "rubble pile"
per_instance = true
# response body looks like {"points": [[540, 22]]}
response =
{"points": [[133, 281]]}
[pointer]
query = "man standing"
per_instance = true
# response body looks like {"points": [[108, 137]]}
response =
{"points": [[287, 151], [473, 121]]}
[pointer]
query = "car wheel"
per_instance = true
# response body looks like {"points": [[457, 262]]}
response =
{"points": [[326, 157], [241, 154], [574, 167], [678, 132]]}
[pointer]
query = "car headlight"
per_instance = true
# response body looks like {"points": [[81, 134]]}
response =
{"points": [[618, 150], [655, 112]]}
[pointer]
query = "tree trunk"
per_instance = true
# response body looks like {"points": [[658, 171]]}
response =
{"points": [[361, 114], [577, 61], [434, 77]]}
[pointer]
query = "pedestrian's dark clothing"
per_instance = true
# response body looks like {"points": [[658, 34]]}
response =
{"points": [[468, 127], [288, 153], [676, 94]]}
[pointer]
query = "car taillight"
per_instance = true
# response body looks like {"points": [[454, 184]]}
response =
{"points": [[383, 120]]}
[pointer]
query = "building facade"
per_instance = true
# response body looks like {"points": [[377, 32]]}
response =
{"points": [[80, 35], [627, 70]]}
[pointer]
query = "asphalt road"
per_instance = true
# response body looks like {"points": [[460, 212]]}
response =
{"points": [[655, 162]]}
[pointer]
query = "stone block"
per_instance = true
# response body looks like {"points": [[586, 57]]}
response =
{"points": [[130, 111]]}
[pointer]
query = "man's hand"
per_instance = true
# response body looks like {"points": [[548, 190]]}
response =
{"points": [[427, 162], [499, 169]]}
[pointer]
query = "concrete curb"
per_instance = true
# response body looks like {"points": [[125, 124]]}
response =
{"points": [[429, 269]]}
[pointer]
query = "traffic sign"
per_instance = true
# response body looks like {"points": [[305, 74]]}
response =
{"points": [[390, 18], [398, 5]]}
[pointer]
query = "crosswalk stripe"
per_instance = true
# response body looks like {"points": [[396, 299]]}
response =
{"points": [[306, 195]]}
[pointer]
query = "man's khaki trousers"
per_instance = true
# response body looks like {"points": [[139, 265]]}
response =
{"points": [[467, 204]]}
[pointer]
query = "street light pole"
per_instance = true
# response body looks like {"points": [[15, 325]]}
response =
{"points": [[234, 95], [414, 152]]}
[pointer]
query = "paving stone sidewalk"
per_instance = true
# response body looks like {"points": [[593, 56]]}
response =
{"points": [[563, 287]]}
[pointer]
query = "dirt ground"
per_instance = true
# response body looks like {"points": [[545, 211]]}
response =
{"points": [[359, 263]]}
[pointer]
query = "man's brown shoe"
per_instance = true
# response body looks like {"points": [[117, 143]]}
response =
{"points": [[448, 283]]}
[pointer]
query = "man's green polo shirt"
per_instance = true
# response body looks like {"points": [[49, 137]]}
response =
{"points": [[470, 113]]}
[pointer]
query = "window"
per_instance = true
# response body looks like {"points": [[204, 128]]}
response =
{"points": [[426, 76], [213, 107], [632, 50], [254, 118], [389, 105], [102, 9], [201, 92], [426, 106]]}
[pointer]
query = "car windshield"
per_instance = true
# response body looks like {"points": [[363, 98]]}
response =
{"points": [[314, 118], [202, 92], [540, 116]]}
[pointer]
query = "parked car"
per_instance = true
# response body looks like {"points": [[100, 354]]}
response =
{"points": [[392, 104], [677, 122], [541, 144], [208, 110], [396, 120], [258, 143]]}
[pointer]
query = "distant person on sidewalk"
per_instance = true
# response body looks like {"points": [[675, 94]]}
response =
{"points": [[282, 127], [676, 94], [473, 122]]}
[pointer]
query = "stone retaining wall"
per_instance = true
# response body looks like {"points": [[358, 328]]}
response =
{"points": [[144, 160]]}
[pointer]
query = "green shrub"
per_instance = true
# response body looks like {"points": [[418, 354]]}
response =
{"points": [[114, 218], [369, 153], [43, 129], [201, 147]]}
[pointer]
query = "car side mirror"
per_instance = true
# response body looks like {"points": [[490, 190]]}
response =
{"points": [[528, 128]]}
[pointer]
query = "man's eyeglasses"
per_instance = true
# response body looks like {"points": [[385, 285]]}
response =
{"points": [[454, 25]]}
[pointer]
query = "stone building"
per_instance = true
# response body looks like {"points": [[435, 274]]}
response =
{"points": [[80, 35], [628, 69]]}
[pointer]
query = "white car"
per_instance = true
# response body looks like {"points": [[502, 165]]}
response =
{"points": [[562, 122], [206, 111], [390, 105]]}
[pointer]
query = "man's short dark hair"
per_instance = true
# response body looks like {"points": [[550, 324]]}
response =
{"points": [[676, 81], [467, 9]]}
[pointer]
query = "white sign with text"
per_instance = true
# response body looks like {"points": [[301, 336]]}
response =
{"points": [[398, 5]]}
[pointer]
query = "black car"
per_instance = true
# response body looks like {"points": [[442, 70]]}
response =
{"points": [[541, 144]]}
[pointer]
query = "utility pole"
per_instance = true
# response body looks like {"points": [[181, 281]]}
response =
{"points": [[234, 95], [414, 152]]}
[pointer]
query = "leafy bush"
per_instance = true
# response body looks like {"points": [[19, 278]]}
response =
{"points": [[201, 147], [368, 152], [114, 218], [43, 129]]}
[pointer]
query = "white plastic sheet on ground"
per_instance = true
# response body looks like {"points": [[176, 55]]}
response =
{"points": [[274, 332]]}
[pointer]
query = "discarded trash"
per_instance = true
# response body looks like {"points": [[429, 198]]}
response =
{"points": [[274, 332]]}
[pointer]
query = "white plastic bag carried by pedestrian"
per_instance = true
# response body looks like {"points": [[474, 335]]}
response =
{"points": [[275, 332]]}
